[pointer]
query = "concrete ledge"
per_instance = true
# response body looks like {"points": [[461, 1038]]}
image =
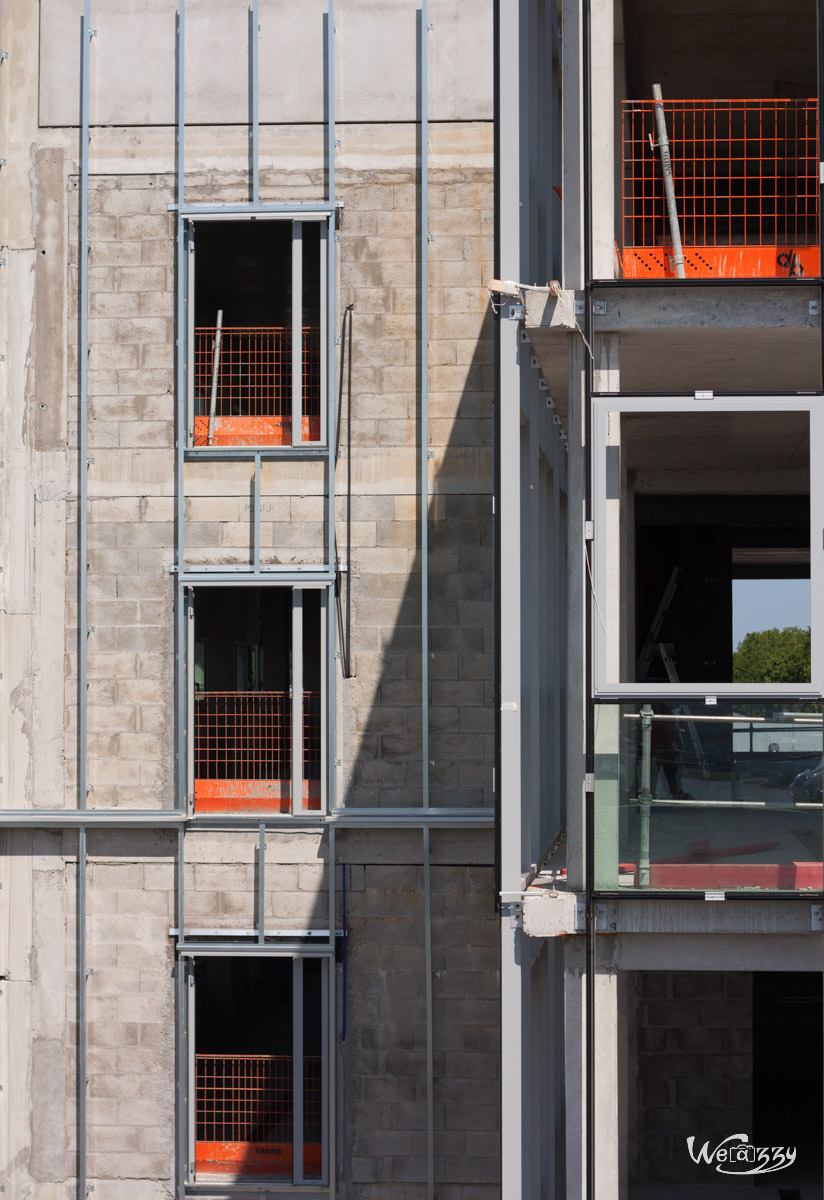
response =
{"points": [[701, 308]]}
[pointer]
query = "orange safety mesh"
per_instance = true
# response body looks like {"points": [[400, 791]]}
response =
{"points": [[244, 1115], [253, 395], [243, 750], [745, 174]]}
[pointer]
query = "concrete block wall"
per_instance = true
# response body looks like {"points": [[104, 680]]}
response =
{"points": [[130, 885], [690, 1068]]}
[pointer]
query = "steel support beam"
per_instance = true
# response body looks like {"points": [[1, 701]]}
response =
{"points": [[424, 404]]}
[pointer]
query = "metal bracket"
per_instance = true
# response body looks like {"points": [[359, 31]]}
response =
{"points": [[523, 336], [589, 531], [533, 361], [600, 308], [715, 895], [589, 781], [514, 910], [578, 308], [815, 308], [816, 917], [703, 395], [516, 312]]}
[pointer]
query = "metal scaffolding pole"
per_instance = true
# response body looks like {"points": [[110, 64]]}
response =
{"points": [[331, 292], [430, 1052], [424, 360]]}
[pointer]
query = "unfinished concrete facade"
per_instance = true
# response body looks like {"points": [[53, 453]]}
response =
{"points": [[249, 932], [659, 332]]}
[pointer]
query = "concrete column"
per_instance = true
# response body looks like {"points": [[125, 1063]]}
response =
{"points": [[602, 112], [577, 685], [574, 1067]]}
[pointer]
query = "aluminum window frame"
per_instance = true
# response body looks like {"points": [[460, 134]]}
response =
{"points": [[297, 218], [605, 688], [326, 955], [297, 588]]}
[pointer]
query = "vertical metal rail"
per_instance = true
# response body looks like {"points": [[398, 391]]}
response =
{"points": [[184, 1097], [589, 719], [430, 1053], [255, 131], [82, 418], [82, 977], [331, 296], [82, 591], [424, 358], [256, 517], [297, 700], [297, 1070], [261, 885], [329, 1026], [296, 333]]}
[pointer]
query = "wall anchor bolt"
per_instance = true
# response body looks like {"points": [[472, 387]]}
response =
{"points": [[92, 33], [431, 762], [815, 305], [3, 162], [90, 461], [89, 971], [337, 341], [89, 787], [430, 454], [430, 237], [2, 262], [600, 308], [337, 237], [338, 762], [90, 629], [3, 54], [2, 358], [337, 142], [430, 26]]}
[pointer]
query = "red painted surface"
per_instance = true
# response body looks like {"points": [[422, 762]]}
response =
{"points": [[722, 262], [252, 795], [255, 1158], [254, 431], [699, 877]]}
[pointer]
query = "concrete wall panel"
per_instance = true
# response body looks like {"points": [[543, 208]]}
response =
{"points": [[376, 61]]}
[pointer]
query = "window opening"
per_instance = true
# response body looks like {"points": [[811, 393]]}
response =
{"points": [[257, 1022], [730, 1060], [696, 797], [251, 280], [705, 573], [741, 113], [247, 676]]}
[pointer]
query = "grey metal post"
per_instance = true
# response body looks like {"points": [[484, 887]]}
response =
{"points": [[184, 1096], [512, 219], [297, 1070], [669, 188], [261, 885], [424, 359], [255, 131], [82, 977], [430, 1052], [297, 333], [297, 700], [331, 293], [329, 1029], [82, 420], [215, 371], [645, 795], [256, 518]]}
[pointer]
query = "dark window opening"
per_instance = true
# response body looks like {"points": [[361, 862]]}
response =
{"points": [[740, 100], [245, 1062], [246, 677], [243, 385]]}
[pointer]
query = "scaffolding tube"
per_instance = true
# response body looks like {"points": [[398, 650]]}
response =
{"points": [[424, 359], [669, 188]]}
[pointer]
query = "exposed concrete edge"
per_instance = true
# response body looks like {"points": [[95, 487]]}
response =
{"points": [[706, 308], [547, 311]]}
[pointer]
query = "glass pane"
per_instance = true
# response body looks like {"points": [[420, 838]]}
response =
{"points": [[693, 797], [704, 548]]}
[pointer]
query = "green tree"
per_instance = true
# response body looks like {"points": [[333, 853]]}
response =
{"points": [[773, 656]]}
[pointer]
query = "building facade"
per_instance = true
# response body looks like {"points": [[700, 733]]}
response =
{"points": [[248, 911], [658, 286]]}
